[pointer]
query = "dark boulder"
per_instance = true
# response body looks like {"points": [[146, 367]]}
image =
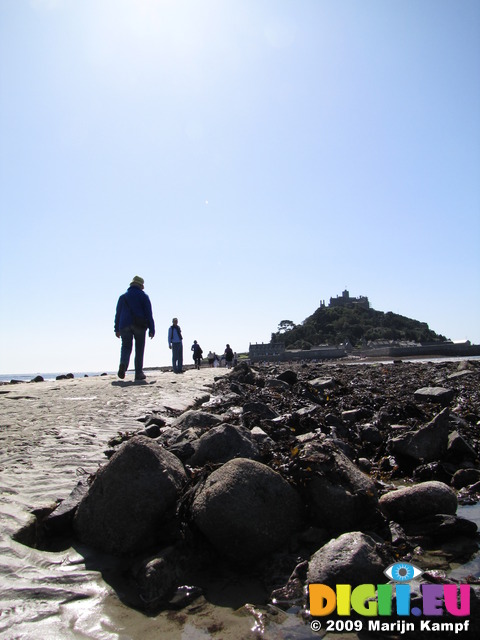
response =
{"points": [[341, 497], [426, 444], [221, 444], [435, 394], [130, 505], [353, 558], [418, 501], [196, 419], [246, 510]]}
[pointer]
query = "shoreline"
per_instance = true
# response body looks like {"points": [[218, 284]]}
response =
{"points": [[7, 378]]}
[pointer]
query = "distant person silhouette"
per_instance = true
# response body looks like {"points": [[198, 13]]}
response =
{"points": [[197, 354]]}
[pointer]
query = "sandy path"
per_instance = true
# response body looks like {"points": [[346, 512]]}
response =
{"points": [[48, 432]]}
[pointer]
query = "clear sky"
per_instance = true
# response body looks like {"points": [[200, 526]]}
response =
{"points": [[247, 158]]}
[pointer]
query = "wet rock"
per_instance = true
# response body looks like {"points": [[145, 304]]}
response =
{"points": [[434, 394], [152, 431], [341, 497], [154, 419], [221, 444], [194, 418], [427, 443], [60, 520], [418, 501], [441, 526], [128, 507], [246, 510], [465, 477], [157, 577], [353, 558]]}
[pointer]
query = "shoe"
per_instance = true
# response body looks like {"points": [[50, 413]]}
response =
{"points": [[121, 371], [140, 376]]}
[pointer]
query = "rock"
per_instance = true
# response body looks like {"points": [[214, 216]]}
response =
{"points": [[459, 449], [259, 435], [370, 434], [182, 445], [440, 526], [465, 477], [193, 418], [244, 374], [152, 431], [260, 409], [322, 383], [279, 385], [61, 518], [341, 497], [418, 501], [154, 419], [288, 376], [130, 504], [427, 443], [434, 394], [157, 577], [354, 415], [38, 379], [246, 510], [353, 558], [221, 444]]}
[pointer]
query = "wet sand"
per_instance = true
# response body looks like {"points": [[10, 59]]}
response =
{"points": [[50, 433]]}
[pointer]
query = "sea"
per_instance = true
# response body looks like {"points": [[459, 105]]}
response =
{"points": [[28, 377]]}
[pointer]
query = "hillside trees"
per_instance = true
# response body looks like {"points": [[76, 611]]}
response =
{"points": [[333, 325]]}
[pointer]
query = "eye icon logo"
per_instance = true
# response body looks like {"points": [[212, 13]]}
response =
{"points": [[402, 572]]}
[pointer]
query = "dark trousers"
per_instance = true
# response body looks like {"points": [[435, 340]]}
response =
{"points": [[177, 357], [128, 335]]}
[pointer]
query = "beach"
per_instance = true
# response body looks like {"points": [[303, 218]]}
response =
{"points": [[55, 432], [51, 433]]}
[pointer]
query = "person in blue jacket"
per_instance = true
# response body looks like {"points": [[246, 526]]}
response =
{"points": [[132, 319]]}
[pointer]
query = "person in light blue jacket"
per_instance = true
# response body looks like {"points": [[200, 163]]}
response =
{"points": [[175, 343], [133, 317]]}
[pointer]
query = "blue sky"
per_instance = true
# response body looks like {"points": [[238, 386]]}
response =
{"points": [[247, 158]]}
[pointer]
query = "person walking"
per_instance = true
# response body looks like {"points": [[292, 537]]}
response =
{"points": [[197, 354], [133, 316], [228, 356], [175, 343]]}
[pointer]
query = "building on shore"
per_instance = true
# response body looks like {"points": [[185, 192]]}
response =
{"points": [[276, 352]]}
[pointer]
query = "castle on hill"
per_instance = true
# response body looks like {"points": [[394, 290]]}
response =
{"points": [[346, 301]]}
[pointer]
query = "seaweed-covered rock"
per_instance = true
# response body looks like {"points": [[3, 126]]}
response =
{"points": [[246, 510]]}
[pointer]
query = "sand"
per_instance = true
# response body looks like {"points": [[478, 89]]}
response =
{"points": [[50, 433]]}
